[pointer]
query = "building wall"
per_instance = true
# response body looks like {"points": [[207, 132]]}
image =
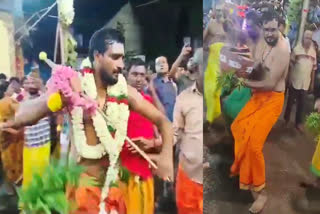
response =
{"points": [[7, 50], [132, 30]]}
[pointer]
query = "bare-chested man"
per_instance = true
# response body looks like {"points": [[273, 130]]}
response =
{"points": [[214, 32], [253, 124], [106, 53]]}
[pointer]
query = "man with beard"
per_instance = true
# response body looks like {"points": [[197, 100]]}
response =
{"points": [[97, 134], [253, 124]]}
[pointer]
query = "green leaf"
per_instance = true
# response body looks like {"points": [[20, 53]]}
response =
{"points": [[124, 175], [114, 184], [57, 201], [313, 123], [47, 191]]}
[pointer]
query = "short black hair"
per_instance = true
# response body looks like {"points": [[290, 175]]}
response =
{"points": [[3, 76], [269, 15], [14, 79], [98, 41], [136, 62], [152, 66], [254, 17]]}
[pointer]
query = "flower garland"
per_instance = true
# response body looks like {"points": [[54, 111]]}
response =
{"points": [[111, 134], [66, 11]]}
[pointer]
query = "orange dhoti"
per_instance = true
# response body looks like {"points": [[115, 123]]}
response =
{"points": [[87, 199], [250, 131], [189, 194]]}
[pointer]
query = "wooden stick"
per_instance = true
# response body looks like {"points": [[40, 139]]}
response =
{"points": [[142, 153]]}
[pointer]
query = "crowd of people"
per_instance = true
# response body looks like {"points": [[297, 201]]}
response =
{"points": [[39, 123], [253, 47]]}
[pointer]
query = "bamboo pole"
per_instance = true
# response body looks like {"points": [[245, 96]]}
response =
{"points": [[305, 11], [56, 43]]}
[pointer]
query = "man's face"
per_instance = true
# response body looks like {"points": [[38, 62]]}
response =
{"points": [[271, 32], [110, 64], [162, 65], [137, 76], [32, 85], [307, 38]]}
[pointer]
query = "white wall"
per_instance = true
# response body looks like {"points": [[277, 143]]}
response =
{"points": [[7, 50]]}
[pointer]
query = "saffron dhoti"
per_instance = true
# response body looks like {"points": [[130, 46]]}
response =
{"points": [[250, 131], [87, 199], [189, 194]]}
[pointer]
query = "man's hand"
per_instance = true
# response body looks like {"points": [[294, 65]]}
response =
{"points": [[165, 166], [142, 143], [186, 50], [242, 74]]}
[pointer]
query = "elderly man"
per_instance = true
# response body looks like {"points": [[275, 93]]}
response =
{"points": [[302, 77], [165, 87], [188, 120]]}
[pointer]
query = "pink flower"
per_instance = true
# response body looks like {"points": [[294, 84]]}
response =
{"points": [[60, 82]]}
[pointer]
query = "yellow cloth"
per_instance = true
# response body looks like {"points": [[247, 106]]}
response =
{"points": [[315, 166], [54, 102], [139, 195], [212, 95], [35, 160]]}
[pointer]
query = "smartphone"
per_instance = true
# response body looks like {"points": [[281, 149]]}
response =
{"points": [[187, 41]]}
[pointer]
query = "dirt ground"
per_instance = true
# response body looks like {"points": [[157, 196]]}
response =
{"points": [[288, 155]]}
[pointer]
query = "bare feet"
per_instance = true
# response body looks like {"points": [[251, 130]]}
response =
{"points": [[259, 202], [300, 128]]}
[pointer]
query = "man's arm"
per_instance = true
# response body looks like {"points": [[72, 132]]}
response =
{"points": [[291, 66], [207, 30], [276, 71], [174, 69], [164, 159], [178, 120]]}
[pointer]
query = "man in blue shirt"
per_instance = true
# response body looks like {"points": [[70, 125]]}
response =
{"points": [[165, 87]]}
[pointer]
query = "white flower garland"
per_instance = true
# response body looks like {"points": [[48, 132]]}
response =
{"points": [[117, 115], [66, 11]]}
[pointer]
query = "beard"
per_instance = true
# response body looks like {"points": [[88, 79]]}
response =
{"points": [[107, 78], [272, 42]]}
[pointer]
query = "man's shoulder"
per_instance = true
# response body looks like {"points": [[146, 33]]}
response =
{"points": [[185, 93], [282, 48]]}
